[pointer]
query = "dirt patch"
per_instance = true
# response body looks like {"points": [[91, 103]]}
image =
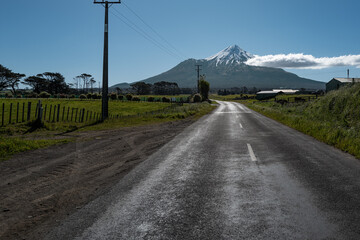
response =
{"points": [[40, 188]]}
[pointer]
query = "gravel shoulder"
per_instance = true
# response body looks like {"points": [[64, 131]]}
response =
{"points": [[40, 188]]}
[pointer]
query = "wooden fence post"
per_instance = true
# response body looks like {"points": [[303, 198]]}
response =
{"points": [[58, 113], [17, 113], [67, 116], [10, 113], [45, 112], [23, 113], [83, 114], [50, 112], [36, 110], [72, 113], [63, 113], [2, 115], [29, 111], [76, 114], [54, 113], [40, 112]]}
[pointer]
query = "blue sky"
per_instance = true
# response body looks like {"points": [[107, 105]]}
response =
{"points": [[67, 36]]}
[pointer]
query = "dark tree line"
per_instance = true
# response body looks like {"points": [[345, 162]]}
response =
{"points": [[159, 88], [53, 83], [236, 90], [50, 82]]}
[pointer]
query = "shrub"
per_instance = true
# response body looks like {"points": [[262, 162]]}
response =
{"points": [[137, 99], [197, 98], [32, 95], [129, 97], [89, 96], [165, 99], [121, 97], [95, 96], [82, 96], [150, 99], [72, 96], [8, 95], [44, 95], [113, 96]]}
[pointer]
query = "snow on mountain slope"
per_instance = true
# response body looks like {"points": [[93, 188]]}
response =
{"points": [[230, 55]]}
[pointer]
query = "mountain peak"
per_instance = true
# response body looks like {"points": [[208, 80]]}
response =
{"points": [[230, 55]]}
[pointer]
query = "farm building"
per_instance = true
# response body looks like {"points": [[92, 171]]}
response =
{"points": [[336, 83], [262, 95]]}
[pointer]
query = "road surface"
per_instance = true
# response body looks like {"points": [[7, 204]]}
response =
{"points": [[234, 174]]}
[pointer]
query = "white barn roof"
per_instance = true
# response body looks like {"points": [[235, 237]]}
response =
{"points": [[348, 80]]}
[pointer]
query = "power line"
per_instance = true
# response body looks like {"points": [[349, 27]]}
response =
{"points": [[152, 29], [144, 34]]}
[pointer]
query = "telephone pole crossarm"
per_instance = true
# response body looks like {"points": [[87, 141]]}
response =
{"points": [[105, 85], [96, 2]]}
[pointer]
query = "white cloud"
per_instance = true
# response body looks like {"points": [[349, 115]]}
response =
{"points": [[302, 61]]}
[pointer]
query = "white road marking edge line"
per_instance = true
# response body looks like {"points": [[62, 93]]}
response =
{"points": [[251, 152]]}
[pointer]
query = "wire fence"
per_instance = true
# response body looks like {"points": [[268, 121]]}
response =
{"points": [[12, 113], [21, 112]]}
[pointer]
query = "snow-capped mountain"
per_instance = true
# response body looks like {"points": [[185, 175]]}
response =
{"points": [[227, 69], [230, 55]]}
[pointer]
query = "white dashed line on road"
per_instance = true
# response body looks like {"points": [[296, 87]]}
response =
{"points": [[251, 152]]}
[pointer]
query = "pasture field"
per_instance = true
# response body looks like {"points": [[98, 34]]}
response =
{"points": [[19, 135]]}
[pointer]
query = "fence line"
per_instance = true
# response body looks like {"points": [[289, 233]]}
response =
{"points": [[13, 113]]}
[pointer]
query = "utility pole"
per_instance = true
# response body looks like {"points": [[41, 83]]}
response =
{"points": [[105, 85], [198, 76]]}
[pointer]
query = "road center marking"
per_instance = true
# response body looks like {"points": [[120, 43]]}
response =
{"points": [[241, 126], [251, 152]]}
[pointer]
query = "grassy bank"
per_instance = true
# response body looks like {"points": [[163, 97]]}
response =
{"points": [[19, 137], [333, 119]]}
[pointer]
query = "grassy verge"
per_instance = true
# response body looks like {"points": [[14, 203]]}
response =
{"points": [[333, 119], [16, 138], [12, 145], [165, 115]]}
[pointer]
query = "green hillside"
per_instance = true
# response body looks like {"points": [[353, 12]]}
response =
{"points": [[333, 119]]}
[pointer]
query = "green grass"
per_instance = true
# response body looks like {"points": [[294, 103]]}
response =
{"points": [[12, 145], [115, 107], [15, 137], [333, 119], [172, 113]]}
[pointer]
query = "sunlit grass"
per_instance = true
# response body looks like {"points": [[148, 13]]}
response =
{"points": [[333, 119]]}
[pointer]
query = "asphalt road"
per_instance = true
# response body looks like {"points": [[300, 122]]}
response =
{"points": [[234, 174]]}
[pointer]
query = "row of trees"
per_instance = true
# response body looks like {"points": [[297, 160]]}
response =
{"points": [[236, 90], [53, 83], [159, 88], [169, 88]]}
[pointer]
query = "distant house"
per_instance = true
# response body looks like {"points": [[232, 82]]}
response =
{"points": [[263, 95], [336, 83]]}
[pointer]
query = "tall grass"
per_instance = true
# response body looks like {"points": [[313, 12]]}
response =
{"points": [[333, 119]]}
